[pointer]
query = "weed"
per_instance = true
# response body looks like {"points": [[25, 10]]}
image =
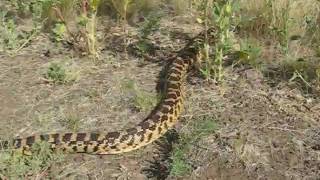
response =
{"points": [[283, 28], [218, 14], [151, 24], [10, 37], [71, 121], [128, 9], [312, 35], [123, 7], [83, 35], [206, 126], [56, 73], [144, 101], [141, 100], [91, 38], [59, 32], [179, 166], [303, 71], [197, 129], [60, 73], [14, 165], [249, 53], [279, 20], [180, 6]]}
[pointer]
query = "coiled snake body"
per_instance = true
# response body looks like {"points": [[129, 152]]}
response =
{"points": [[147, 131]]}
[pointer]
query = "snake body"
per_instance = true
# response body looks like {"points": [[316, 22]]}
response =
{"points": [[154, 126]]}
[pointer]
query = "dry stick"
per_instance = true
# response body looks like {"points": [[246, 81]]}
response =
{"points": [[27, 40], [25, 43], [42, 174]]}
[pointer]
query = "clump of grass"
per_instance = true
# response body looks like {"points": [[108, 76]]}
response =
{"points": [[54, 10], [198, 129], [179, 165], [249, 53], [15, 38], [302, 70], [180, 6], [141, 100], [17, 166], [12, 39], [57, 73], [127, 9], [60, 73], [150, 25], [9, 35], [278, 20], [71, 121]]}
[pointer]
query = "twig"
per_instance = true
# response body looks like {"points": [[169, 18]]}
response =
{"points": [[27, 40], [285, 129]]}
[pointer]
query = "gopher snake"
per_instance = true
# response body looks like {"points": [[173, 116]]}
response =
{"points": [[147, 131]]}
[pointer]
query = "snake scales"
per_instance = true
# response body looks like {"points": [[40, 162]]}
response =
{"points": [[154, 126]]}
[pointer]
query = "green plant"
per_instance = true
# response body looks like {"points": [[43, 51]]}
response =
{"points": [[249, 53], [91, 27], [10, 37], [123, 7], [151, 24], [84, 38], [59, 32], [14, 165], [302, 71], [197, 130], [179, 165], [60, 72], [218, 14], [312, 36], [56, 72]]}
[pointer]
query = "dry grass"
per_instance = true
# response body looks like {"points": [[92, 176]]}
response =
{"points": [[268, 16]]}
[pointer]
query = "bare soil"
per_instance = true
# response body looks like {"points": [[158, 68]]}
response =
{"points": [[264, 132]]}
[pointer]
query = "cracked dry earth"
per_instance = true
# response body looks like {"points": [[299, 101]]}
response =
{"points": [[263, 132]]}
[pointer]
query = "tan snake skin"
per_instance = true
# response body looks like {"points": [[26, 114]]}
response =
{"points": [[147, 131]]}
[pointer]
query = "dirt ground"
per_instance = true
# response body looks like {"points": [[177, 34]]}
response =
{"points": [[264, 132]]}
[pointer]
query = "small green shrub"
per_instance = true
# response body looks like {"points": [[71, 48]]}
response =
{"points": [[150, 25], [62, 72], [249, 53], [56, 72]]}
